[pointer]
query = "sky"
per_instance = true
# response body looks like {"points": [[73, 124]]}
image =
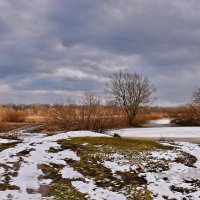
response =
{"points": [[51, 49]]}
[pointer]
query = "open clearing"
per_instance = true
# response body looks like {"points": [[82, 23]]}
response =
{"points": [[74, 166]]}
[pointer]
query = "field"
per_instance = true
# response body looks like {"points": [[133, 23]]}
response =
{"points": [[38, 161], [88, 165]]}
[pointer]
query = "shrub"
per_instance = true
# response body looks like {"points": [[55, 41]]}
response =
{"points": [[62, 117], [11, 115], [72, 118], [155, 116], [140, 119], [190, 116], [185, 122], [4, 127], [90, 115]]}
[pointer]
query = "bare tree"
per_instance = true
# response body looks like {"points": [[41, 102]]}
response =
{"points": [[196, 97], [90, 105], [132, 91]]}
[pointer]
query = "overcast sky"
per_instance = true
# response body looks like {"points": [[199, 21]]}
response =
{"points": [[52, 48]]}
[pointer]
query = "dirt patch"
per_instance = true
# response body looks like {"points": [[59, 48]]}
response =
{"points": [[25, 152], [186, 159], [5, 186], [7, 145]]}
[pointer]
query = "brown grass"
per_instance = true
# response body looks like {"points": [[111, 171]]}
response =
{"points": [[155, 115], [188, 116], [6, 126], [35, 118], [87, 116], [11, 115], [72, 117]]}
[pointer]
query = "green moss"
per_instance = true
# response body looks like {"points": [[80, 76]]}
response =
{"points": [[60, 188], [94, 151], [7, 145], [66, 191], [53, 150], [119, 143]]}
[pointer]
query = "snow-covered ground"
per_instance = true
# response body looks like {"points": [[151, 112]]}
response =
{"points": [[28, 173], [178, 181], [159, 132], [4, 141], [164, 121]]}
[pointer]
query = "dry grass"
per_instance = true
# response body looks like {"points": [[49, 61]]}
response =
{"points": [[188, 116], [11, 115], [156, 115], [90, 115], [35, 118], [6, 126], [72, 117]]}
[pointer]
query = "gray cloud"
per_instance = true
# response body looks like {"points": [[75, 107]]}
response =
{"points": [[50, 49]]}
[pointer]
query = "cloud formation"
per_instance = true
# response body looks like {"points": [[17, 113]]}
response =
{"points": [[50, 49]]}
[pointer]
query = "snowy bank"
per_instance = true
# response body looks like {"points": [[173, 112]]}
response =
{"points": [[185, 133]]}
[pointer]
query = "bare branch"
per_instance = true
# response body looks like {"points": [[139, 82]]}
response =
{"points": [[131, 91]]}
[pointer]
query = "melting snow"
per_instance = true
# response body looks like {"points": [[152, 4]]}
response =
{"points": [[70, 173], [159, 183], [159, 132], [3, 141], [97, 193], [165, 121], [116, 167], [178, 176], [28, 173]]}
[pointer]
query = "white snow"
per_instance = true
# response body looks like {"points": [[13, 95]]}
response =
{"points": [[2, 171], [167, 155], [72, 134], [70, 173], [160, 183], [96, 193], [3, 141], [159, 132], [192, 149], [28, 173], [164, 121], [113, 166]]}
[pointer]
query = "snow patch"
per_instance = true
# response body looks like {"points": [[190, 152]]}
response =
{"points": [[113, 166], [70, 173], [164, 121], [97, 193]]}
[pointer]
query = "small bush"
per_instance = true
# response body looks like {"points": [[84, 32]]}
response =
{"points": [[62, 117], [73, 117], [11, 115], [90, 115], [190, 116], [185, 122], [4, 127], [155, 116], [140, 119]]}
